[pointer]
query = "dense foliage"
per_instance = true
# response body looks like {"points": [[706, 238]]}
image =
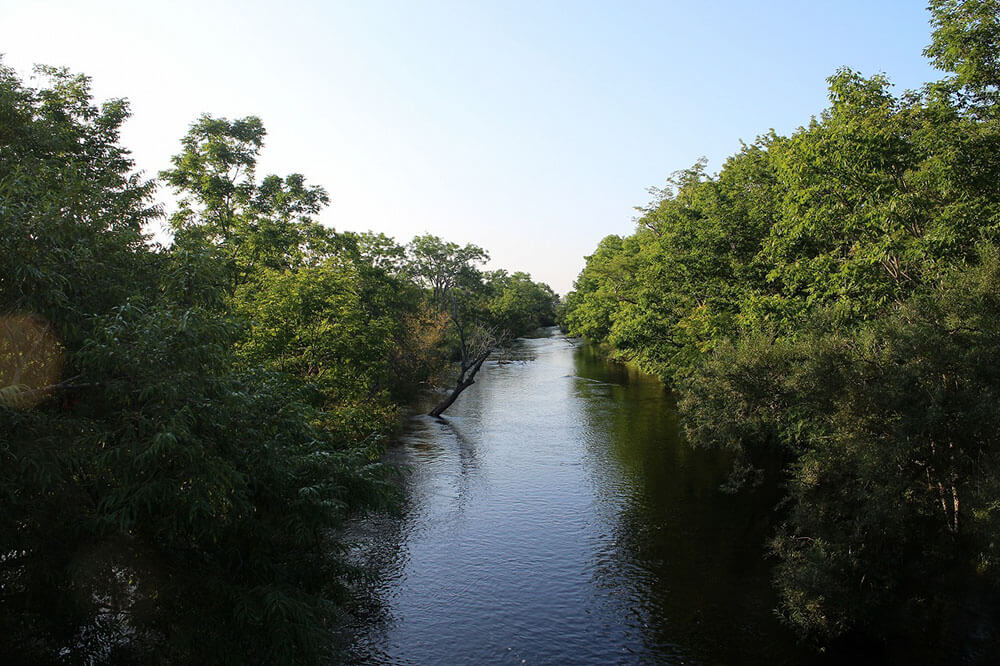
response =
{"points": [[826, 306], [184, 429]]}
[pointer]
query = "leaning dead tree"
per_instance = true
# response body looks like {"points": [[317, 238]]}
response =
{"points": [[475, 347]]}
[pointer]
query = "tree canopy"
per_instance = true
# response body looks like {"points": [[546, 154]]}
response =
{"points": [[185, 430], [824, 308]]}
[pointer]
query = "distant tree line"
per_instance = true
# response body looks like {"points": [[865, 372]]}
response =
{"points": [[827, 306], [183, 429]]}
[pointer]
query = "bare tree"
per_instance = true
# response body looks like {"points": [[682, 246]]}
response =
{"points": [[476, 346]]}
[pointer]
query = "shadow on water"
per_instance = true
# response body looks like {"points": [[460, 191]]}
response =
{"points": [[692, 556], [558, 517]]}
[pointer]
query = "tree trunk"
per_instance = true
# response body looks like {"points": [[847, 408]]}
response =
{"points": [[466, 378]]}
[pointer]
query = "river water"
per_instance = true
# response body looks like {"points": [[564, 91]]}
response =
{"points": [[557, 517]]}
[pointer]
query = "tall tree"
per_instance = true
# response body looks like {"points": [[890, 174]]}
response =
{"points": [[152, 484], [258, 225], [825, 308], [964, 42], [450, 273]]}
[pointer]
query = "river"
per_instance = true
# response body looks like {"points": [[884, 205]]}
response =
{"points": [[557, 517]]}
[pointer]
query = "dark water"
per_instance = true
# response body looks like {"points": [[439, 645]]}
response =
{"points": [[557, 518]]}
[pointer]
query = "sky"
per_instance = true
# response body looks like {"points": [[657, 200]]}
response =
{"points": [[530, 128]]}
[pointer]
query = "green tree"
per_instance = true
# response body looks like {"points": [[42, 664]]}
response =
{"points": [[824, 307], [519, 304], [483, 310], [262, 225], [890, 430], [966, 33], [444, 267], [455, 288], [153, 483], [71, 249]]}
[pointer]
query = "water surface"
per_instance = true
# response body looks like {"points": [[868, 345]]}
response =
{"points": [[557, 517]]}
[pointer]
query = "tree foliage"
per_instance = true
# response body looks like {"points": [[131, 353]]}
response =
{"points": [[159, 484], [184, 430], [269, 224], [484, 310], [964, 41], [825, 306]]}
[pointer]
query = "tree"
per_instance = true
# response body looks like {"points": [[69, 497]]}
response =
{"points": [[346, 328], [152, 483], [257, 225], [442, 267], [964, 41], [889, 431], [518, 304], [456, 288], [71, 250], [824, 307]]}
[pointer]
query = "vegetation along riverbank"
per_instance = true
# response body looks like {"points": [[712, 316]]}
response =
{"points": [[184, 426], [828, 306], [193, 406]]}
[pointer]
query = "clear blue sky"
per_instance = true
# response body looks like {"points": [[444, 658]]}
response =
{"points": [[529, 128]]}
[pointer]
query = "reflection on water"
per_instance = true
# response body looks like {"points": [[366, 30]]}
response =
{"points": [[555, 518]]}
